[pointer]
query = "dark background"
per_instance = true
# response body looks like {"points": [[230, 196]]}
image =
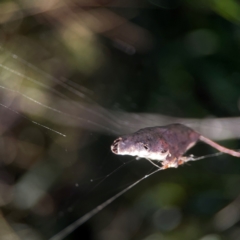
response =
{"points": [[93, 70]]}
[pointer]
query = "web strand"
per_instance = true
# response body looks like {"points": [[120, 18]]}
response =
{"points": [[110, 174], [108, 117], [36, 123], [70, 228], [52, 109]]}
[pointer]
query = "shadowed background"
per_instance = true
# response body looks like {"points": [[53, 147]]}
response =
{"points": [[74, 75]]}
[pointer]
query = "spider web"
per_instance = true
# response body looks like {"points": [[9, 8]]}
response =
{"points": [[74, 75], [27, 103]]}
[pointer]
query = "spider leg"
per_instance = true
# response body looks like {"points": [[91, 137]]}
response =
{"points": [[184, 159], [173, 163], [153, 163]]}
